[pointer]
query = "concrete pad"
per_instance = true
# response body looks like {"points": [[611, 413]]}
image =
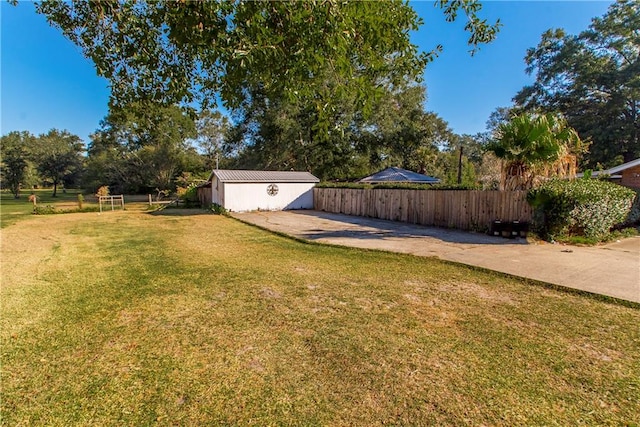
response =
{"points": [[612, 269]]}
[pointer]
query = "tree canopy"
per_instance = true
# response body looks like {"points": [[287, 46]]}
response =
{"points": [[58, 156], [278, 133], [593, 79], [196, 52], [16, 151], [328, 86], [141, 148]]}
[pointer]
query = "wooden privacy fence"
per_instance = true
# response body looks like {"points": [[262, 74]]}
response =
{"points": [[461, 209]]}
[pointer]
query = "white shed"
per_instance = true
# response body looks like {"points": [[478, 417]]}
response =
{"points": [[245, 190]]}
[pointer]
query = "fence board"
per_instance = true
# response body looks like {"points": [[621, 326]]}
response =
{"points": [[462, 209]]}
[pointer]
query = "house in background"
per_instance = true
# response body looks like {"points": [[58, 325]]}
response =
{"points": [[627, 174], [398, 175], [246, 190]]}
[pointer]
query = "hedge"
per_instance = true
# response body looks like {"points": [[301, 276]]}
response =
{"points": [[396, 186], [583, 207]]}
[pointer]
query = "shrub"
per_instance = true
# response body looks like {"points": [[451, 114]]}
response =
{"points": [[218, 209], [44, 210], [52, 210], [583, 207], [396, 186], [103, 191], [189, 195], [633, 218]]}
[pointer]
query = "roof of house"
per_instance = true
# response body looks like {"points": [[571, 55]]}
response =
{"points": [[624, 166], [228, 175], [615, 170], [399, 175]]}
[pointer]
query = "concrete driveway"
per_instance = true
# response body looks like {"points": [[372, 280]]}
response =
{"points": [[612, 269]]}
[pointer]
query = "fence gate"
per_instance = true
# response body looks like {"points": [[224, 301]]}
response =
{"points": [[113, 200]]}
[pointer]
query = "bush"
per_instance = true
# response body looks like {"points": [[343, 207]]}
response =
{"points": [[103, 191], [52, 210], [44, 210], [633, 218], [189, 195], [584, 207], [396, 186], [218, 209]]}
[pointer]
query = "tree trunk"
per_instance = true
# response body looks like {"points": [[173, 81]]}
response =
{"points": [[55, 189]]}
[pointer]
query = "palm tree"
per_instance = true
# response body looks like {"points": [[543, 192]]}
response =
{"points": [[532, 146]]}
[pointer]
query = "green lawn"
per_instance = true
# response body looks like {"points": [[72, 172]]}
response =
{"points": [[12, 209], [131, 318]]}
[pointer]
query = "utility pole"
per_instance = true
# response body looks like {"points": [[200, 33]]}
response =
{"points": [[460, 166]]}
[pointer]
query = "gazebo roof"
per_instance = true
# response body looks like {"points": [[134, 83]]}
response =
{"points": [[399, 175]]}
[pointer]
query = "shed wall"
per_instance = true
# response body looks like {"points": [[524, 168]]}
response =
{"points": [[239, 197]]}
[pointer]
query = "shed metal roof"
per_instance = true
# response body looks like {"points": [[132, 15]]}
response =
{"points": [[399, 175], [229, 175]]}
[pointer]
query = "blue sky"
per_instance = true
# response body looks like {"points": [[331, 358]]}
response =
{"points": [[47, 83]]}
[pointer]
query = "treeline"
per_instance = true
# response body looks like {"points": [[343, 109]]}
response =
{"points": [[51, 159], [148, 148]]}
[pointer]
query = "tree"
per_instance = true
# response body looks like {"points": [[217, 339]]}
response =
{"points": [[212, 128], [58, 155], [141, 148], [594, 80], [282, 133], [16, 147], [286, 134], [535, 145], [458, 162], [401, 133], [191, 52]]}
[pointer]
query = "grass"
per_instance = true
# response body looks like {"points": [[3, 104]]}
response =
{"points": [[13, 210], [131, 318], [609, 237]]}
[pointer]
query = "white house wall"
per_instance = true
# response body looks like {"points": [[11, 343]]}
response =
{"points": [[239, 197]]}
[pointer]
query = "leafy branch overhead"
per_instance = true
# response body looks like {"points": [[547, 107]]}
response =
{"points": [[178, 52]]}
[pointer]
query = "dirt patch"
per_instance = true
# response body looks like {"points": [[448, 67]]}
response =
{"points": [[414, 299], [589, 351], [478, 291], [270, 293]]}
